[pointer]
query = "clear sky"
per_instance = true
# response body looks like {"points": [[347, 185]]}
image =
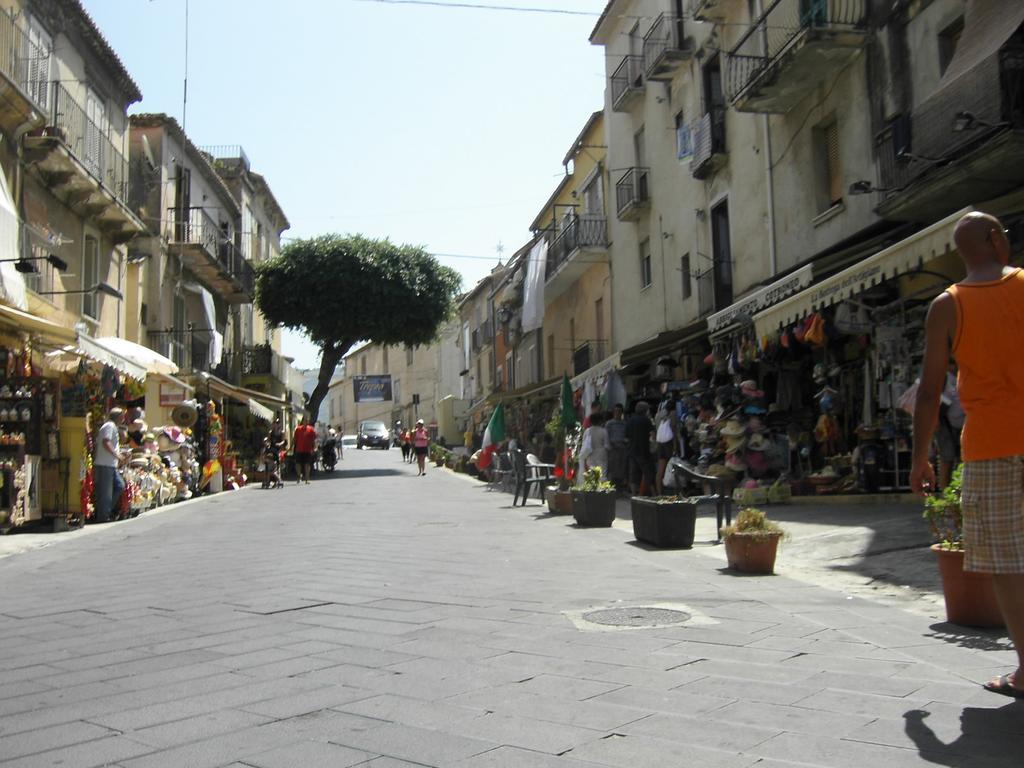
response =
{"points": [[441, 127]]}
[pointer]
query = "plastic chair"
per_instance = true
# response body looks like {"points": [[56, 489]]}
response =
{"points": [[501, 472], [721, 491], [529, 474]]}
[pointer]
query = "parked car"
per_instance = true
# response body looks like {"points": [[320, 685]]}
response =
{"points": [[373, 434], [349, 442]]}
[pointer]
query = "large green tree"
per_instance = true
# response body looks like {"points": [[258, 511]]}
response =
{"points": [[341, 290]]}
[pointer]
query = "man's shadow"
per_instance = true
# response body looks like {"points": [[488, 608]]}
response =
{"points": [[988, 737]]}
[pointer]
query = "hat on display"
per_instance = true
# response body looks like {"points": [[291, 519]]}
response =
{"points": [[175, 434], [719, 470], [185, 415], [749, 389], [756, 406], [750, 483], [733, 428], [758, 442], [819, 373], [735, 444], [735, 462], [754, 424], [757, 461]]}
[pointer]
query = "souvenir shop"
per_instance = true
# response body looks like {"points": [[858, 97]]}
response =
{"points": [[801, 390]]}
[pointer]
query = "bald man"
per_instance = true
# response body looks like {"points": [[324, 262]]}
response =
{"points": [[980, 322]]}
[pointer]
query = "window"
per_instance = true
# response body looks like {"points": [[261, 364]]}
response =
{"points": [[829, 169], [90, 276], [685, 269], [37, 69], [362, 365], [331, 409], [551, 354], [95, 133], [510, 371], [721, 250], [408, 355], [949, 38], [396, 391], [593, 197], [43, 280], [178, 324], [384, 359], [684, 139], [645, 263], [599, 324]]}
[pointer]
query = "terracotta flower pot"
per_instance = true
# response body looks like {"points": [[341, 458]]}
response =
{"points": [[752, 554], [559, 502], [970, 598]]}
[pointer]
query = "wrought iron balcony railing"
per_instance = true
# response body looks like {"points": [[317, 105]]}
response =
{"points": [[89, 143], [627, 80], [24, 63], [664, 44], [782, 25], [586, 231], [196, 227], [631, 191]]}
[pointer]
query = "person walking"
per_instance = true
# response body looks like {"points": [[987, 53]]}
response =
{"points": [[595, 446], [980, 321], [638, 440], [303, 443], [420, 442], [105, 462]]}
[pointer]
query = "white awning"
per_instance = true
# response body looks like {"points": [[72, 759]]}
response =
{"points": [[12, 282], [260, 411], [146, 358], [606, 366], [903, 257], [67, 357], [761, 299]]}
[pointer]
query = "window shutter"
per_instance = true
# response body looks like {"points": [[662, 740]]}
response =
{"points": [[835, 172]]}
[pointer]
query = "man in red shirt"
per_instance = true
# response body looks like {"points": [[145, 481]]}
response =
{"points": [[304, 443]]}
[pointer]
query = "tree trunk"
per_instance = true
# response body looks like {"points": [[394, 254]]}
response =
{"points": [[329, 360]]}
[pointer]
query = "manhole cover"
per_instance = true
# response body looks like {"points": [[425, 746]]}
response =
{"points": [[637, 617]]}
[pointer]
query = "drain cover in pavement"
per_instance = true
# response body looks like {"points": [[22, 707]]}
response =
{"points": [[637, 617]]}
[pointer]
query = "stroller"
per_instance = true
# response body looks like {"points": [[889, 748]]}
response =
{"points": [[271, 466]]}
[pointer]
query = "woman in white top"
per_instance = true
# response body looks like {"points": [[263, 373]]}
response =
{"points": [[595, 445]]}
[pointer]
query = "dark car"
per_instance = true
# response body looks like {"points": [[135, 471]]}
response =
{"points": [[373, 434]]}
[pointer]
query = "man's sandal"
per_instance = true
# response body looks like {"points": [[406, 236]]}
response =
{"points": [[1004, 687]]}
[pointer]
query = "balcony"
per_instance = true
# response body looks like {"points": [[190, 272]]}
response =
{"points": [[189, 349], [631, 194], [708, 10], [580, 243], [83, 168], [227, 156], [708, 144], [262, 369], [794, 46], [627, 83], [210, 255], [23, 85], [963, 144], [665, 47]]}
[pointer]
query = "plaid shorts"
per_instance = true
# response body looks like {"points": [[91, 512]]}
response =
{"points": [[992, 499]]}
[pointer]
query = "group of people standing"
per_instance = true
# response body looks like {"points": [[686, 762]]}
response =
{"points": [[415, 443], [307, 450], [632, 453]]}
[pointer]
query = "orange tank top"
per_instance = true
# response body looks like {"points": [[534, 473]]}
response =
{"points": [[989, 350]]}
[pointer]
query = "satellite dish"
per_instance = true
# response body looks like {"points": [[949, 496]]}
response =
{"points": [[148, 152]]}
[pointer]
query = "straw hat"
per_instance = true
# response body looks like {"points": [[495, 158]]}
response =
{"points": [[758, 442], [735, 462], [734, 444], [733, 428]]}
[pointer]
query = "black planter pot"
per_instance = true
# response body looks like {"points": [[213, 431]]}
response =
{"points": [[666, 524], [593, 509]]}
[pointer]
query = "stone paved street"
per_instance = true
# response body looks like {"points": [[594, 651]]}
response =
{"points": [[380, 619]]}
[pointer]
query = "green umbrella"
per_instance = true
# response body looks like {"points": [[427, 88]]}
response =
{"points": [[568, 410]]}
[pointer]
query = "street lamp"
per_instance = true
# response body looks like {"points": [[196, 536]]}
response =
{"points": [[104, 288], [24, 264]]}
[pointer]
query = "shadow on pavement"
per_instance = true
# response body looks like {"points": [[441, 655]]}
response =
{"points": [[984, 733], [971, 637], [353, 473]]}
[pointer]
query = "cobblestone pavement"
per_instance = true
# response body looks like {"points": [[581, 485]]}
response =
{"points": [[381, 619]]}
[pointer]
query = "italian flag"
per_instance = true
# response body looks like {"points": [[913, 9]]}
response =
{"points": [[493, 436]]}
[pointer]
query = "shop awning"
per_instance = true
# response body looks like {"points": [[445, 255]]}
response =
{"points": [[150, 360], [25, 321], [259, 411], [532, 389], [268, 403], [761, 299], [606, 366], [646, 351], [903, 257], [68, 356]]}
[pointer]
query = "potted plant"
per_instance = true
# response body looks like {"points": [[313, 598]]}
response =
{"points": [[664, 521], [558, 496], [970, 598], [751, 542], [593, 503]]}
